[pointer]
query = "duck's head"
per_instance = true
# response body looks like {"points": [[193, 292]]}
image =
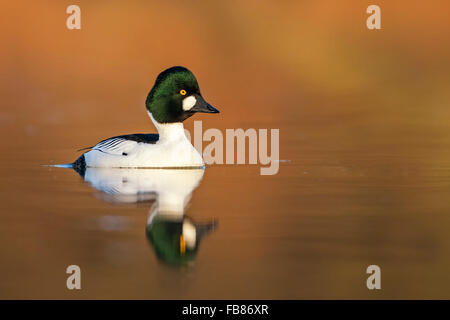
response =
{"points": [[176, 96]]}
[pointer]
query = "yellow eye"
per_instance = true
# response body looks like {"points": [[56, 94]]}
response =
{"points": [[183, 92]]}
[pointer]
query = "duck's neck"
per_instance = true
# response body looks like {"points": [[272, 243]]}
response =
{"points": [[168, 131]]}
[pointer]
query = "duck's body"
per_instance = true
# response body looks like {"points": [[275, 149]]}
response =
{"points": [[168, 106], [169, 148]]}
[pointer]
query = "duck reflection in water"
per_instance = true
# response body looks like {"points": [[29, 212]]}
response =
{"points": [[174, 236]]}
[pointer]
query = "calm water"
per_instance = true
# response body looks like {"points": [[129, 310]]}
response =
{"points": [[308, 232]]}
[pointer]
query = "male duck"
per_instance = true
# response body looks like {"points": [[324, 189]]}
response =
{"points": [[175, 96]]}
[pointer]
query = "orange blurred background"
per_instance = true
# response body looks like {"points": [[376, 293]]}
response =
{"points": [[363, 118], [262, 63]]}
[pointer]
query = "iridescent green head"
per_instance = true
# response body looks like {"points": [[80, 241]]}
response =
{"points": [[176, 96]]}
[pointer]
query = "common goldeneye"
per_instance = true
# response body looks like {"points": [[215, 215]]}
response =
{"points": [[175, 96]]}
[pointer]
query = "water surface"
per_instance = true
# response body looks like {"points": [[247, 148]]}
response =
{"points": [[308, 232]]}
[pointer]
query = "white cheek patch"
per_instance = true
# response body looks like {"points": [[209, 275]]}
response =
{"points": [[189, 102]]}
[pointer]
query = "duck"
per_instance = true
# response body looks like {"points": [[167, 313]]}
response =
{"points": [[174, 97]]}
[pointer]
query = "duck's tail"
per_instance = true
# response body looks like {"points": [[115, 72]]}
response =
{"points": [[80, 165]]}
